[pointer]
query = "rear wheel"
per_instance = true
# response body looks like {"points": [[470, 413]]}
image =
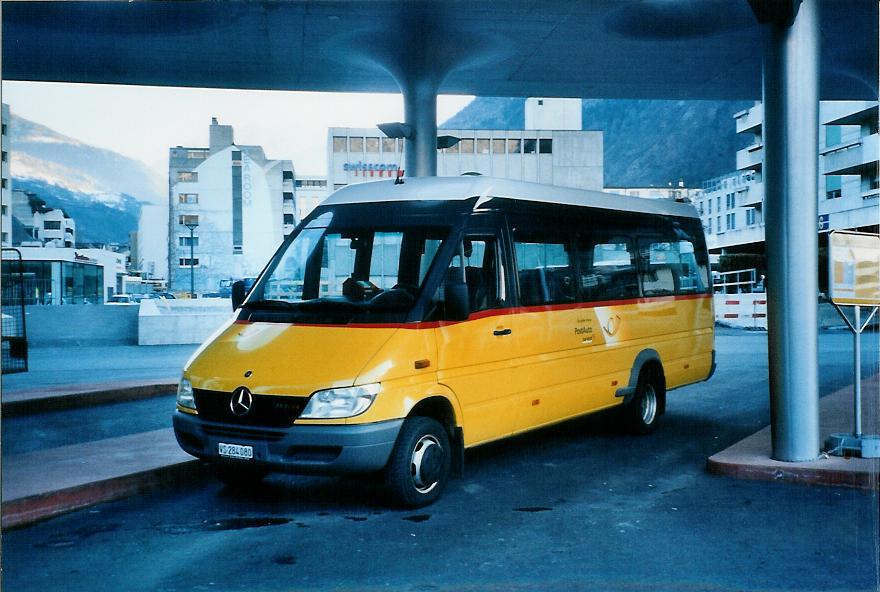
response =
{"points": [[419, 465], [642, 412], [239, 477]]}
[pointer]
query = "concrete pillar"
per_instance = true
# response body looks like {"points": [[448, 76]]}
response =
{"points": [[791, 140], [420, 112]]}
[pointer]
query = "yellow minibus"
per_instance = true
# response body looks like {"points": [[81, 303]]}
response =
{"points": [[402, 323]]}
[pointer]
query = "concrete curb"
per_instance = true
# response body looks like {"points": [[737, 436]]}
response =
{"points": [[25, 511], [44, 483], [750, 458], [49, 399]]}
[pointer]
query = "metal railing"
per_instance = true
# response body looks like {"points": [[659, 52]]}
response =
{"points": [[739, 281], [14, 343]]}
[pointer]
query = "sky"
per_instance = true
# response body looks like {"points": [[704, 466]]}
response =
{"points": [[142, 122]]}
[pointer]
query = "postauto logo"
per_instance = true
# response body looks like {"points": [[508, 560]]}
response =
{"points": [[371, 169]]}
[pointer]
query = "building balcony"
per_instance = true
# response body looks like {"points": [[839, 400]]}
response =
{"points": [[751, 158], [853, 158], [848, 112], [754, 196], [750, 120]]}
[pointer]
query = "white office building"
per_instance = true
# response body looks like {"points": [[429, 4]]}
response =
{"points": [[672, 191], [229, 209], [5, 183], [731, 206], [552, 149], [311, 190], [43, 226]]}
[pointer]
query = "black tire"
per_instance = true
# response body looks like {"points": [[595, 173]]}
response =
{"points": [[419, 465], [641, 414], [239, 478]]}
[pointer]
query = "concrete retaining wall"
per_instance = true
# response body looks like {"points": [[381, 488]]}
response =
{"points": [[165, 322], [81, 324]]}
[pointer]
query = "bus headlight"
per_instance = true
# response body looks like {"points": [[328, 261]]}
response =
{"points": [[185, 394], [340, 402]]}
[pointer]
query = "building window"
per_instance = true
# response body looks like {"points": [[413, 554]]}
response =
{"points": [[731, 201], [452, 149], [185, 262], [339, 186], [236, 157], [832, 186], [357, 144], [4, 129], [287, 196], [389, 145], [4, 237], [52, 225], [514, 146], [184, 241], [3, 183], [288, 218], [709, 204], [498, 146], [709, 226], [197, 154], [3, 209], [188, 219], [3, 156], [372, 144], [718, 204], [340, 144], [530, 146], [467, 146], [546, 146], [188, 198], [751, 217], [187, 176], [718, 223], [731, 221], [832, 135], [287, 175], [483, 146]]}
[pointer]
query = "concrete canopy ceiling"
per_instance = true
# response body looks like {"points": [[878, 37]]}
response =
{"points": [[657, 49]]}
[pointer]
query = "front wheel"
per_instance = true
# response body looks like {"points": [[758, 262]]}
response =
{"points": [[419, 465], [643, 411]]}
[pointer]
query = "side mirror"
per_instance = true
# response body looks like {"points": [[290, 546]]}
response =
{"points": [[455, 296], [239, 293]]}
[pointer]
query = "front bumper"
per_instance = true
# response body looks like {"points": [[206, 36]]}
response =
{"points": [[309, 449]]}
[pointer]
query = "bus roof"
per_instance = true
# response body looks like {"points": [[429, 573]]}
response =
{"points": [[467, 187]]}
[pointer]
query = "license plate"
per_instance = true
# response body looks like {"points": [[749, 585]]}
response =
{"points": [[235, 451]]}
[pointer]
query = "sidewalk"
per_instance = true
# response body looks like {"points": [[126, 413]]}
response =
{"points": [[58, 380]]}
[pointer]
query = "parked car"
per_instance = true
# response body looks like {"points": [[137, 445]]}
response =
{"points": [[121, 299]]}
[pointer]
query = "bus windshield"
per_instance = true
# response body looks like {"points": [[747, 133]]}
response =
{"points": [[345, 265]]}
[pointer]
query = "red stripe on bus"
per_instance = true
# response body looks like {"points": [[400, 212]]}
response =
{"points": [[731, 302], [731, 315]]}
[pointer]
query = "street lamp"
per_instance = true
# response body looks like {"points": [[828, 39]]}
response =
{"points": [[192, 226]]}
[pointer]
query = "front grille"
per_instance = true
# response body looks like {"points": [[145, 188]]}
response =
{"points": [[248, 434], [267, 411]]}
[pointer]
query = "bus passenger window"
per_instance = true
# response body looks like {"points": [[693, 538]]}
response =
{"points": [[544, 270], [670, 268], [607, 269], [480, 270]]}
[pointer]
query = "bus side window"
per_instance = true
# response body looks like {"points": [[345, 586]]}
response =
{"points": [[670, 267], [480, 272], [607, 269], [543, 265]]}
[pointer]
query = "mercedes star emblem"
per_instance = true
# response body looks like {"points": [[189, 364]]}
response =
{"points": [[241, 401]]}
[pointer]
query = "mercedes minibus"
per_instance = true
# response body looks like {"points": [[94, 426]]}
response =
{"points": [[402, 323]]}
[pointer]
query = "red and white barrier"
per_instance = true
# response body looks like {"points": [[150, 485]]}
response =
{"points": [[742, 310]]}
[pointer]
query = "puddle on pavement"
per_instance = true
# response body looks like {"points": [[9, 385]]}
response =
{"points": [[284, 560], [533, 509], [417, 517], [75, 537], [224, 525]]}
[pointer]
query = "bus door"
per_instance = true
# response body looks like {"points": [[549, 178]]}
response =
{"points": [[476, 357]]}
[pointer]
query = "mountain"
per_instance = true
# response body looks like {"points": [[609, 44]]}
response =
{"points": [[41, 153], [647, 142], [100, 189], [96, 220]]}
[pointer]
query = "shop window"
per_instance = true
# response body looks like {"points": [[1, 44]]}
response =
{"points": [[546, 146], [530, 146], [357, 144], [187, 176], [372, 144], [340, 144]]}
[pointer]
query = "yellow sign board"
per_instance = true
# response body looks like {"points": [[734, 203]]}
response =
{"points": [[854, 268]]}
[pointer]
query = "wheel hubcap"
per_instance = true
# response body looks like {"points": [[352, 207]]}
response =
{"points": [[426, 463], [648, 405]]}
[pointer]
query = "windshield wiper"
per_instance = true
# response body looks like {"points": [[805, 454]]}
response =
{"points": [[279, 304]]}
